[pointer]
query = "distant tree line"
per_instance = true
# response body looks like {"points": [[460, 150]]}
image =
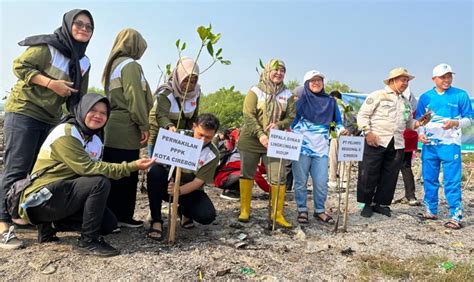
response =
{"points": [[227, 103]]}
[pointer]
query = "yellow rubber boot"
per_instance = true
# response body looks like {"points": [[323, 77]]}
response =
{"points": [[280, 219], [246, 186]]}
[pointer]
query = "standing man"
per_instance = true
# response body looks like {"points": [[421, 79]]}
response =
{"points": [[451, 109], [383, 117]]}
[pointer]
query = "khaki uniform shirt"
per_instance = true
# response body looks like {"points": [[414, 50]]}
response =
{"points": [[386, 114]]}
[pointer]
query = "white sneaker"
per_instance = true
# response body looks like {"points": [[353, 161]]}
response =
{"points": [[9, 241], [132, 223]]}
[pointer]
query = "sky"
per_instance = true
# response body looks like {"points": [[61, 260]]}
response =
{"points": [[354, 42]]}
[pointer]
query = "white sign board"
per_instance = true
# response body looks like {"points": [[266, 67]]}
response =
{"points": [[351, 148], [177, 149], [284, 145]]}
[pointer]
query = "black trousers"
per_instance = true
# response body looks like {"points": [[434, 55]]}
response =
{"points": [[408, 178], [77, 205], [23, 137], [123, 192], [195, 205], [378, 174]]}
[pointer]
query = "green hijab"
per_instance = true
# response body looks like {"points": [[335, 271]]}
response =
{"points": [[128, 43], [272, 107]]}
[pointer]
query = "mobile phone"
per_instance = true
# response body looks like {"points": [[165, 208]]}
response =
{"points": [[426, 116]]}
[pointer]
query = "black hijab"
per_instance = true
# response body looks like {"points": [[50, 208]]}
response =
{"points": [[86, 103], [65, 43]]}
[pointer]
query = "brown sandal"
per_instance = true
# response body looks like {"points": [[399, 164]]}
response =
{"points": [[453, 224], [187, 223], [324, 217], [302, 217], [428, 216]]}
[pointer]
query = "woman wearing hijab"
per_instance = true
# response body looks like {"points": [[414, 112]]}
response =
{"points": [[315, 111], [73, 187], [127, 130], [182, 91], [53, 70], [268, 105]]}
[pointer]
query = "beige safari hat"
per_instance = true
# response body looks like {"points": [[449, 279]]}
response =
{"points": [[396, 72]]}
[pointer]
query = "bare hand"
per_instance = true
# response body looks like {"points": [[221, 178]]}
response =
{"points": [[345, 132], [450, 124], [145, 163], [423, 138], [372, 139], [62, 87], [271, 126], [172, 128], [145, 135], [264, 140], [171, 188]]}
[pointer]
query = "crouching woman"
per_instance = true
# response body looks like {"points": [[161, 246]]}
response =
{"points": [[71, 193]]}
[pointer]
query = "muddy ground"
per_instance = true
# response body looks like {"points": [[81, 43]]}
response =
{"points": [[228, 249]]}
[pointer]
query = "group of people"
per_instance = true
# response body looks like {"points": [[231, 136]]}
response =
{"points": [[85, 147], [384, 117], [84, 158]]}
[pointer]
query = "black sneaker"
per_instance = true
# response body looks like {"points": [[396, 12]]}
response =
{"points": [[132, 223], [367, 211], [46, 233], [232, 195], [382, 210], [96, 247]]}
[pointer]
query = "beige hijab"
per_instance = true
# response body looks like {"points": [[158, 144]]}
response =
{"points": [[128, 43], [184, 68], [273, 108]]}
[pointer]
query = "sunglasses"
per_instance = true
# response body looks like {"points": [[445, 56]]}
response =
{"points": [[81, 25]]}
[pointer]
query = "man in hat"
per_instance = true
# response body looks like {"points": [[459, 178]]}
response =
{"points": [[451, 109], [383, 117]]}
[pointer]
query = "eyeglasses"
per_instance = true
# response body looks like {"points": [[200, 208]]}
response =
{"points": [[316, 80], [81, 25]]}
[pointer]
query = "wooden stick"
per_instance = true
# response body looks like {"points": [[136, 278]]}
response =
{"points": [[346, 204], [269, 174], [174, 214], [468, 179], [338, 185], [170, 202], [277, 195]]}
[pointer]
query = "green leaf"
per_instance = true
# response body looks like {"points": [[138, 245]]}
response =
{"points": [[210, 49], [209, 31], [261, 63], [219, 51], [219, 58], [168, 69], [177, 43], [232, 88], [275, 64], [203, 32], [225, 62], [183, 46], [216, 38]]}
